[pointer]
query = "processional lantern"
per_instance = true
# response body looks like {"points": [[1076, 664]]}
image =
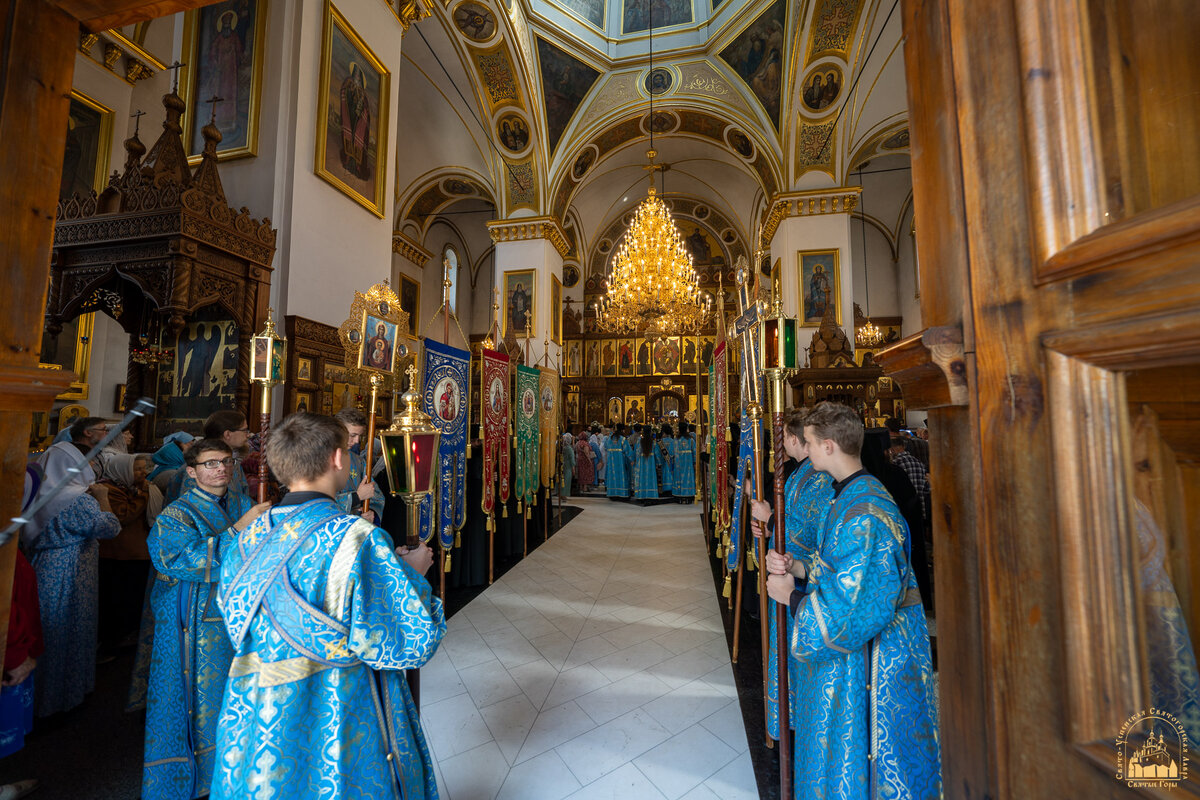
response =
{"points": [[269, 353], [410, 455]]}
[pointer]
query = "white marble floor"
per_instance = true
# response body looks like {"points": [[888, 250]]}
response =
{"points": [[595, 668]]}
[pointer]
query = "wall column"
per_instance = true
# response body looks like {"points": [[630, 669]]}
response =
{"points": [[536, 244], [813, 220]]}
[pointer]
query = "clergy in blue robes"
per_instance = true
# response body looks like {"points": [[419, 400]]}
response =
{"points": [[190, 651], [864, 703], [324, 618], [358, 486], [645, 469], [230, 427], [616, 476], [666, 453], [684, 487], [807, 494]]}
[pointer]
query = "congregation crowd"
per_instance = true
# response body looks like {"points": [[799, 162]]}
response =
{"points": [[129, 556], [631, 461]]}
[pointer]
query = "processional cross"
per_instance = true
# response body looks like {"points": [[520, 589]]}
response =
{"points": [[743, 329], [175, 77]]}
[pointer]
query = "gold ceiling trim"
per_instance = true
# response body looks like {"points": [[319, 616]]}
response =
{"points": [[809, 204], [529, 228], [406, 247]]}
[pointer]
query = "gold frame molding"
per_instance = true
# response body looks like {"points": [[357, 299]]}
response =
{"points": [[375, 206], [80, 388], [191, 40], [532, 301], [556, 311], [837, 284], [104, 148]]}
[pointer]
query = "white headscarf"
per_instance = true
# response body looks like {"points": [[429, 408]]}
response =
{"points": [[56, 463]]}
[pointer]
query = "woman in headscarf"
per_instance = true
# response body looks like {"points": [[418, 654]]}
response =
{"points": [[61, 540], [568, 465], [666, 452], [583, 463], [124, 560], [168, 459]]}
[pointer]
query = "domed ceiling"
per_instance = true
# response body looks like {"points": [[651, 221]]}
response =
{"points": [[547, 108]]}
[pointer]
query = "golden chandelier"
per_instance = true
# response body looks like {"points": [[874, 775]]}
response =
{"points": [[653, 288]]}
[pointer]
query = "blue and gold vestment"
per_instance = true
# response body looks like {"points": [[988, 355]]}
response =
{"points": [[616, 476], [190, 651], [324, 619], [348, 497], [806, 498], [685, 467], [864, 710], [645, 486]]}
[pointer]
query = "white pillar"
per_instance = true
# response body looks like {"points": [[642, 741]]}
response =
{"points": [[798, 222], [538, 245]]}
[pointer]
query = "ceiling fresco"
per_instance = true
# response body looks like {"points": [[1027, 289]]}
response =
{"points": [[565, 81]]}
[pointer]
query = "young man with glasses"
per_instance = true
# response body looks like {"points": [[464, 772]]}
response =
{"points": [[231, 428], [191, 652]]}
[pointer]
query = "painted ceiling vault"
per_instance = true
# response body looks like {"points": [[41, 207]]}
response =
{"points": [[543, 107]]}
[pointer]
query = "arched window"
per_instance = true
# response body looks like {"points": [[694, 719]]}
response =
{"points": [[451, 255]]}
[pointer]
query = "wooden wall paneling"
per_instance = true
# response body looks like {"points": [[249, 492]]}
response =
{"points": [[1010, 435], [35, 84], [968, 739]]}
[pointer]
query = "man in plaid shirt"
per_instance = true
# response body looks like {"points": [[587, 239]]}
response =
{"points": [[913, 468]]}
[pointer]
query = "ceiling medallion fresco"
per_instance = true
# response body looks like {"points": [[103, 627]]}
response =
{"points": [[565, 82], [475, 21], [584, 161], [658, 81], [512, 132], [756, 55], [897, 141], [822, 86], [740, 143]]}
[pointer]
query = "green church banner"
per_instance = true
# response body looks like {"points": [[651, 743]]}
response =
{"points": [[528, 379]]}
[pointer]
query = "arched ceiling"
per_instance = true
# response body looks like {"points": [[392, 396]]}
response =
{"points": [[542, 106]]}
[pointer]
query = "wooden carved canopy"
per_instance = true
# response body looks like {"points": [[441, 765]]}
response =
{"points": [[159, 243]]}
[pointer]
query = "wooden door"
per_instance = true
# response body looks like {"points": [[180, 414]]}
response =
{"points": [[1057, 205]]}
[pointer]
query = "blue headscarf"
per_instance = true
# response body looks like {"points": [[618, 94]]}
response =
{"points": [[169, 456]]}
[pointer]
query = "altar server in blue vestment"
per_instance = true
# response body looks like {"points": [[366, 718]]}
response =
{"points": [[806, 493], [666, 452], [684, 487], [230, 427], [645, 467], [865, 724], [359, 486], [324, 618], [616, 477], [191, 652]]}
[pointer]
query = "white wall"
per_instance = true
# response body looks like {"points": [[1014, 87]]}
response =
{"points": [[814, 233]]}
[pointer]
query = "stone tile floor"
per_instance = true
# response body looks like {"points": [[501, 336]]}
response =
{"points": [[595, 668]]}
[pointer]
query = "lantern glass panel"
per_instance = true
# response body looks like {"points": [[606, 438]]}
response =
{"points": [[394, 451], [424, 450], [770, 344], [789, 344]]}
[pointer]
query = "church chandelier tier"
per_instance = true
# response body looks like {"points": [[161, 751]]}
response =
{"points": [[652, 288]]}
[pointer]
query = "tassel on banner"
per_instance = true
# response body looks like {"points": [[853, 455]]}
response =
{"points": [[520, 508], [726, 590], [503, 512], [751, 561], [447, 569], [490, 523], [458, 538]]}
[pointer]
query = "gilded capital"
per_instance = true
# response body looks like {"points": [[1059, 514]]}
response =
{"points": [[528, 228], [406, 247], [816, 202]]}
